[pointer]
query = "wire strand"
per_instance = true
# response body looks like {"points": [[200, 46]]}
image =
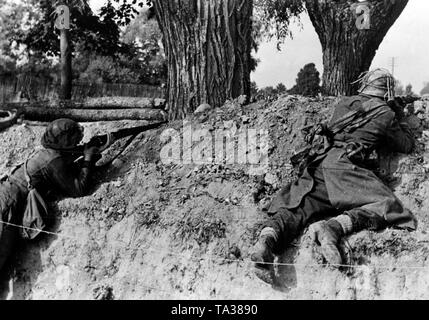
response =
{"points": [[225, 260]]}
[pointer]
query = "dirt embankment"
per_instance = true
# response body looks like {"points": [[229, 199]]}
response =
{"points": [[180, 230]]}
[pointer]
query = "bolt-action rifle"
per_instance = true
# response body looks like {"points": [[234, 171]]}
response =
{"points": [[402, 101], [104, 141]]}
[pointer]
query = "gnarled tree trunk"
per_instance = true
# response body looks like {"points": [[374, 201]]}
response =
{"points": [[208, 47], [348, 46]]}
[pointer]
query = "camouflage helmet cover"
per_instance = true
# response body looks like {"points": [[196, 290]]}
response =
{"points": [[377, 83]]}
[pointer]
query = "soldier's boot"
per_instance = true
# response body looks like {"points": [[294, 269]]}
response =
{"points": [[328, 235], [262, 255]]}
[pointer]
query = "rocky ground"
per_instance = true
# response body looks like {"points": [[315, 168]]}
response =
{"points": [[151, 230]]}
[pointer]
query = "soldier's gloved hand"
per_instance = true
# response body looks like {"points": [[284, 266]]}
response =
{"points": [[90, 153]]}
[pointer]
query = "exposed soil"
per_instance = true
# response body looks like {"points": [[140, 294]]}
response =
{"points": [[183, 231]]}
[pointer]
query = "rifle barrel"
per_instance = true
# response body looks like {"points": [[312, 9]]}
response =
{"points": [[122, 133]]}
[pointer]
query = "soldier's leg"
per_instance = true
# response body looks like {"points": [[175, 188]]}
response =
{"points": [[286, 225], [372, 206], [7, 241], [329, 233]]}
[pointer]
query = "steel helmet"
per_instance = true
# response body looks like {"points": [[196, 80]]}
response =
{"points": [[377, 83], [62, 134]]}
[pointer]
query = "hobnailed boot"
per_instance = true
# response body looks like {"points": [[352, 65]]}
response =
{"points": [[262, 255], [328, 234]]}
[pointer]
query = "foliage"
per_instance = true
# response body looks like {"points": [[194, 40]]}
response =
{"points": [[145, 35], [14, 16], [409, 89], [276, 16], [94, 68], [281, 88], [40, 67], [268, 91], [399, 88], [90, 67], [102, 52], [271, 92], [253, 89], [97, 34], [425, 89], [307, 82]]}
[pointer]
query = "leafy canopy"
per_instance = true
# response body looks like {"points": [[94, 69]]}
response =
{"points": [[100, 34], [276, 16]]}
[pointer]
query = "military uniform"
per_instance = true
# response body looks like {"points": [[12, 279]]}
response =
{"points": [[53, 174], [333, 184]]}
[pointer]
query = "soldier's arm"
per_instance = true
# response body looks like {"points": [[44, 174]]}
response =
{"points": [[67, 180], [400, 137]]}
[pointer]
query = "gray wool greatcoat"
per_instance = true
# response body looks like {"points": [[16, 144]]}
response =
{"points": [[351, 186]]}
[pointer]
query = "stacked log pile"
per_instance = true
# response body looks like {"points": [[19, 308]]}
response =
{"points": [[90, 110]]}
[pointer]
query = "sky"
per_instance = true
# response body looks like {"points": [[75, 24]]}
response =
{"points": [[407, 41]]}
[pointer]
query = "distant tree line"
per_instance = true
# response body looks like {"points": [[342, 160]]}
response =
{"points": [[307, 84]]}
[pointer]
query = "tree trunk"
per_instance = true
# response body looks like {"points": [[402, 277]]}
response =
{"points": [[349, 46], [34, 111], [208, 47]]}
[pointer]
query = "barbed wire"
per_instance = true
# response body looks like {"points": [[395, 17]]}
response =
{"points": [[224, 260]]}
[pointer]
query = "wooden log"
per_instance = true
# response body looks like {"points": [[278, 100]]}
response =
{"points": [[7, 119], [32, 112], [119, 103], [100, 103]]}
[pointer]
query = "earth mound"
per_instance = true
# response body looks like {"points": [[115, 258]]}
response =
{"points": [[161, 225]]}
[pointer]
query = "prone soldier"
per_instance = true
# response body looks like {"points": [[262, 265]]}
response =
{"points": [[336, 179]]}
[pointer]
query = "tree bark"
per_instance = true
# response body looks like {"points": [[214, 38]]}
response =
{"points": [[34, 111], [347, 49], [208, 47]]}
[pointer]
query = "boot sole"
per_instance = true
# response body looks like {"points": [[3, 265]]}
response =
{"points": [[266, 275]]}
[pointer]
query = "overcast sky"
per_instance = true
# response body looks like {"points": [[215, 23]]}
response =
{"points": [[407, 41]]}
